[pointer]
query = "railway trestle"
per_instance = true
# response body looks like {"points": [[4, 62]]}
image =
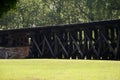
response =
{"points": [[94, 40]]}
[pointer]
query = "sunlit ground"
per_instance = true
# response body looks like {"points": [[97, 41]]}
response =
{"points": [[54, 69]]}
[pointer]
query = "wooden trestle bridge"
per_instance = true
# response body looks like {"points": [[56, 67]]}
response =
{"points": [[94, 40]]}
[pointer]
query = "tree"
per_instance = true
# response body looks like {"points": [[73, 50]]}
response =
{"points": [[6, 5], [30, 13]]}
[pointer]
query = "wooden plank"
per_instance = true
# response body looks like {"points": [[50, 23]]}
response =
{"points": [[77, 46], [91, 44], [40, 52], [62, 45], [50, 48]]}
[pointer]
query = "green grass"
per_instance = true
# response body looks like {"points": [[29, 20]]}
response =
{"points": [[50, 69]]}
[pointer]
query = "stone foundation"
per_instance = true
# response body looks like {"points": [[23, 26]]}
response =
{"points": [[14, 52]]}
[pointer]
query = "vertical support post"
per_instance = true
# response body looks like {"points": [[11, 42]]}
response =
{"points": [[56, 45], [97, 40], [118, 44], [105, 47]]}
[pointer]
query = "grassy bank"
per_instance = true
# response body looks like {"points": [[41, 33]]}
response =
{"points": [[50, 69]]}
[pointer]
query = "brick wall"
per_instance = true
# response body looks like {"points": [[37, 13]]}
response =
{"points": [[14, 52]]}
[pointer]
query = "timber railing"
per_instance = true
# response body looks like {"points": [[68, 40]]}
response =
{"points": [[94, 40]]}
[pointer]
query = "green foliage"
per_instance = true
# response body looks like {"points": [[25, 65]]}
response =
{"points": [[30, 13], [6, 5]]}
